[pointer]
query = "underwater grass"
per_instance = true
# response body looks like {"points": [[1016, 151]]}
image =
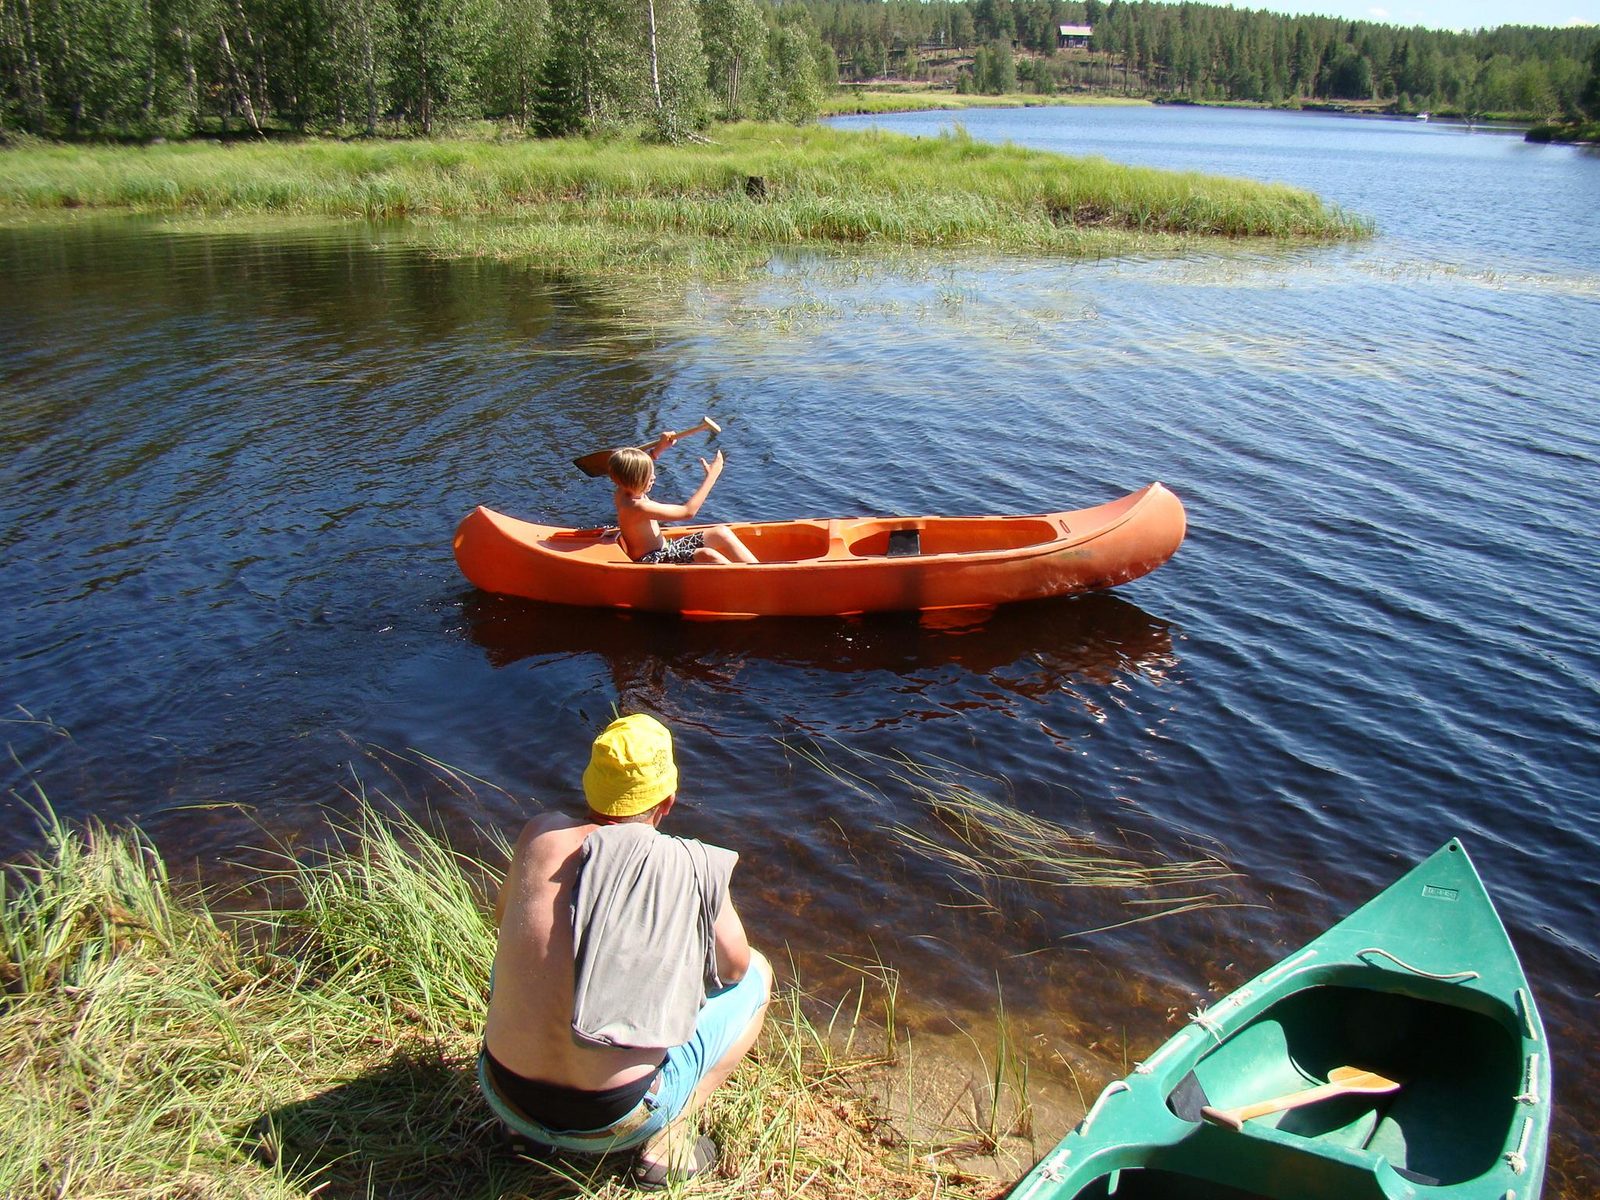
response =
{"points": [[584, 202], [991, 843], [151, 1046]]}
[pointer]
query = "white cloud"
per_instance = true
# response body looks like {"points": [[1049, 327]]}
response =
{"points": [[1378, 14]]}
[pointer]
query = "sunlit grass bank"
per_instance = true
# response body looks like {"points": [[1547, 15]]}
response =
{"points": [[585, 203], [151, 1047], [912, 98]]}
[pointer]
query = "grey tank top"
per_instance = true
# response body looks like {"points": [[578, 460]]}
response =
{"points": [[644, 953]]}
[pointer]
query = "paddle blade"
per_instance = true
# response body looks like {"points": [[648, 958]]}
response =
{"points": [[1354, 1079], [594, 464], [1342, 1081]]}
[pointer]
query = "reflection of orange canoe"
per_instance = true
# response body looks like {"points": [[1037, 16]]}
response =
{"points": [[1026, 648], [836, 567]]}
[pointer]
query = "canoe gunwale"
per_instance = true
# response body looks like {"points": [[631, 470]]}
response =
{"points": [[832, 557]]}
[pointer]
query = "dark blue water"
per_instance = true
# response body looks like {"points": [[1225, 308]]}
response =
{"points": [[232, 463]]}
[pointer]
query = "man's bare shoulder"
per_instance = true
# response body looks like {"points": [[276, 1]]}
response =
{"points": [[551, 834], [546, 822]]}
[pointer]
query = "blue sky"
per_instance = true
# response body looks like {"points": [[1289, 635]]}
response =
{"points": [[1442, 14]]}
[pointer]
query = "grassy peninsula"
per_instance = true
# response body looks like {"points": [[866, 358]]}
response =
{"points": [[594, 203], [888, 97], [150, 1046]]}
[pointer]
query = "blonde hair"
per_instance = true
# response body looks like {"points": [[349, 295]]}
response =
{"points": [[630, 468]]}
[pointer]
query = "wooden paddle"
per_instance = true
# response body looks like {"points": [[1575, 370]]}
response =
{"points": [[596, 462], [1342, 1081]]}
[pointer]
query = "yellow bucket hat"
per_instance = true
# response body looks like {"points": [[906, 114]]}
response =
{"points": [[630, 767]]}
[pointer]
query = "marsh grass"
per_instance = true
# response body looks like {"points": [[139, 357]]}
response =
{"points": [[593, 203], [991, 845], [1007, 1110], [153, 1046]]}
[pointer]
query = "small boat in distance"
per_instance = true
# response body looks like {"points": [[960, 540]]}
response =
{"points": [[835, 567], [1397, 1056]]}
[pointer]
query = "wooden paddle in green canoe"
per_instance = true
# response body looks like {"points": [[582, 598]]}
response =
{"points": [[1421, 987]]}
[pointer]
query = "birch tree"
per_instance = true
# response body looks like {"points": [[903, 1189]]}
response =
{"points": [[735, 40]]}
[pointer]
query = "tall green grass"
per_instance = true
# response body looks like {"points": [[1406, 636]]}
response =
{"points": [[753, 186], [151, 1046]]}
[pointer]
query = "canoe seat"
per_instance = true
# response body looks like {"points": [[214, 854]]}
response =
{"points": [[905, 543]]}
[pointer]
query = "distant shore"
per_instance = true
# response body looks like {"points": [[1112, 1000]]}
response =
{"points": [[889, 97], [886, 99]]}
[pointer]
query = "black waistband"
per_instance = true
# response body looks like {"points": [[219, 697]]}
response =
{"points": [[562, 1108]]}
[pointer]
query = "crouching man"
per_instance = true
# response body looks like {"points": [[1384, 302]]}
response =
{"points": [[624, 991]]}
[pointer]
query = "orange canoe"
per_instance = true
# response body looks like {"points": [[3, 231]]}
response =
{"points": [[835, 567]]}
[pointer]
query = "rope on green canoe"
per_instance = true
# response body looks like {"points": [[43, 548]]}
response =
{"points": [[1517, 1159], [1525, 1010], [1211, 1019], [1447, 976], [1530, 1082]]}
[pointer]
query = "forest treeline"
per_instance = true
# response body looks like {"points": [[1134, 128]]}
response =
{"points": [[73, 68], [141, 68], [1206, 52]]}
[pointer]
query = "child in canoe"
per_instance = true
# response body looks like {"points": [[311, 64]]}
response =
{"points": [[639, 517]]}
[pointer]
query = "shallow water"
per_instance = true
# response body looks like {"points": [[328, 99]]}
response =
{"points": [[233, 462]]}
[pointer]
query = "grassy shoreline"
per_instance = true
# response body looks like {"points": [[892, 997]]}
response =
{"points": [[604, 203], [860, 101], [154, 1047]]}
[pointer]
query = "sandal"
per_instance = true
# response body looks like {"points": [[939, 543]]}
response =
{"points": [[655, 1177]]}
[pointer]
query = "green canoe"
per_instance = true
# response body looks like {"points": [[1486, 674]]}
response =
{"points": [[1419, 986]]}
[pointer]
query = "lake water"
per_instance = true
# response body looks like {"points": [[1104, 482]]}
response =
{"points": [[233, 462]]}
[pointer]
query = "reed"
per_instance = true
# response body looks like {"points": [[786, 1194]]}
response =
{"points": [[598, 201], [152, 1045]]}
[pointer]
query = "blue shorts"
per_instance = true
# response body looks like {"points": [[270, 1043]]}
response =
{"points": [[723, 1019]]}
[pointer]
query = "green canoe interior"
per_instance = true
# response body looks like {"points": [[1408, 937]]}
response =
{"points": [[1448, 1123]]}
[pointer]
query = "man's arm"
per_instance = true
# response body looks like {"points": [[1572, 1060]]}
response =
{"points": [[733, 948]]}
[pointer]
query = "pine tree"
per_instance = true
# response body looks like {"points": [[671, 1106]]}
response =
{"points": [[570, 91], [1590, 97], [437, 50]]}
